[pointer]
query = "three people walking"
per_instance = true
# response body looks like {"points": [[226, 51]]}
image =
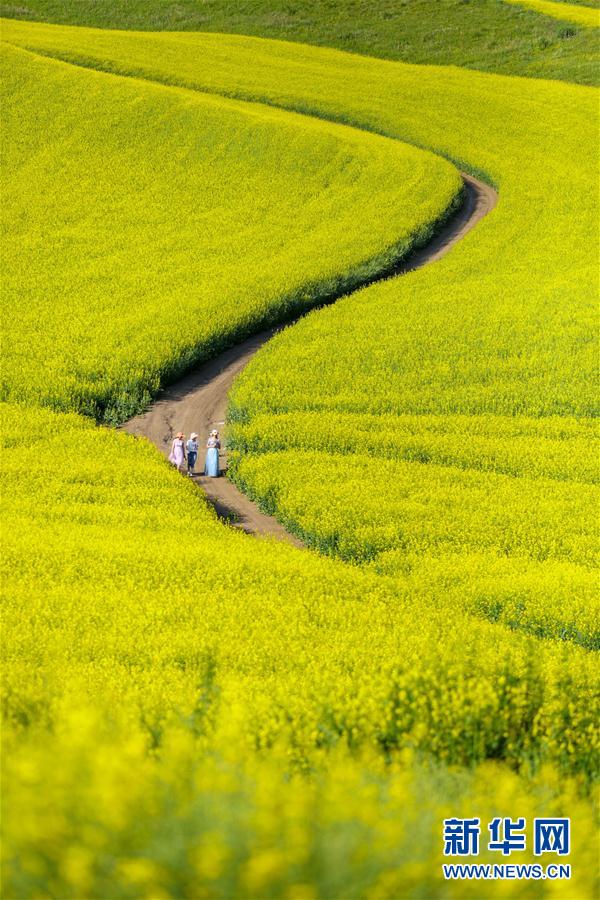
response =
{"points": [[182, 451]]}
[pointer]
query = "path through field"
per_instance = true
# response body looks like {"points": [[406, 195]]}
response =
{"points": [[198, 402]]}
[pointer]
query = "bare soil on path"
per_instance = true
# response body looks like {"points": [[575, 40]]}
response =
{"points": [[198, 401]]}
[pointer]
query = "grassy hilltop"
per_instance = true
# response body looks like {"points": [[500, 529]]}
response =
{"points": [[480, 34]]}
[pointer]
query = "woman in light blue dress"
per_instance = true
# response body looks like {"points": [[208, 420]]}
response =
{"points": [[213, 445]]}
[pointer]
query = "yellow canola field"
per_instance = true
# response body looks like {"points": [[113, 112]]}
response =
{"points": [[515, 550], [164, 675], [504, 324], [426, 507], [192, 712], [502, 507], [139, 576], [146, 227], [555, 447]]}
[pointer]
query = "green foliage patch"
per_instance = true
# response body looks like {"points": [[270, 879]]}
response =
{"points": [[479, 34]]}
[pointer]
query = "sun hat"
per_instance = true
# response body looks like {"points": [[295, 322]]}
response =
{"points": [[193, 435], [179, 434]]}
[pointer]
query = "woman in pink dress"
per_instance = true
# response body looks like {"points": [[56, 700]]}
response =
{"points": [[177, 454]]}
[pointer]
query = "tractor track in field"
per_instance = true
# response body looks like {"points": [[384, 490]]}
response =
{"points": [[198, 401]]}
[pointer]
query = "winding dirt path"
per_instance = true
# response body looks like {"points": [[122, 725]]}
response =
{"points": [[198, 401]]}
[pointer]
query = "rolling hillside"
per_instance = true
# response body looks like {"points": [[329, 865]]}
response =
{"points": [[190, 711], [486, 34]]}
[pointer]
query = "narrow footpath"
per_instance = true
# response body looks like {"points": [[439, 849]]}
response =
{"points": [[198, 401]]}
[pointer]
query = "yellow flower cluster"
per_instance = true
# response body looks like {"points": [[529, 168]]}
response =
{"points": [[580, 14], [194, 822]]}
